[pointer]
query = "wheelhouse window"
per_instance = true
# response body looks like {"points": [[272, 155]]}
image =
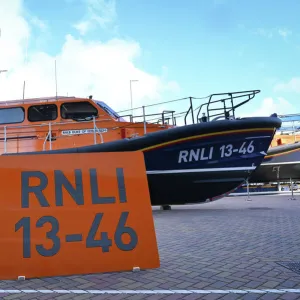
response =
{"points": [[12, 115], [109, 110], [45, 112], [79, 111]]}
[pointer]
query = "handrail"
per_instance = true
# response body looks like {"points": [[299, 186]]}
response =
{"points": [[47, 124], [190, 110], [49, 135], [96, 129], [155, 104], [226, 110], [163, 114], [211, 112], [160, 103], [164, 117]]}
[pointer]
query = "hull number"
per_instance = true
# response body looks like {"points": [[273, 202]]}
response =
{"points": [[228, 150], [201, 154], [103, 241]]}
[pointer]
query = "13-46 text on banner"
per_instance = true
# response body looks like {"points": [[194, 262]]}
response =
{"points": [[64, 214]]}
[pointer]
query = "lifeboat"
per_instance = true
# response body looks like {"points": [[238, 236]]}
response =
{"points": [[188, 164], [282, 162]]}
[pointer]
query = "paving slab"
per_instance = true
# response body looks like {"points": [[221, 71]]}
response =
{"points": [[228, 249]]}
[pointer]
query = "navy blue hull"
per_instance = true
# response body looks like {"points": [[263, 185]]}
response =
{"points": [[206, 168], [281, 163], [179, 189], [195, 163]]}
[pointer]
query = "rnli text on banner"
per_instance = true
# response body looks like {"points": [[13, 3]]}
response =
{"points": [[75, 214]]}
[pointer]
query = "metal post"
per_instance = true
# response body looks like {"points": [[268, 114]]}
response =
{"points": [[277, 169], [55, 80], [294, 132], [24, 90], [5, 139], [50, 135], [144, 116], [278, 179], [292, 198], [248, 192], [232, 106], [94, 122], [191, 106], [131, 96]]}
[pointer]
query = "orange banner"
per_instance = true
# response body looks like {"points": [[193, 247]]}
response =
{"points": [[67, 214]]}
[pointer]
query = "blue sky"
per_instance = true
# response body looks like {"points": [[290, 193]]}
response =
{"points": [[201, 47]]}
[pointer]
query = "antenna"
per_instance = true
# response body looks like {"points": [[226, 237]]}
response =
{"points": [[24, 90], [25, 64], [55, 82]]}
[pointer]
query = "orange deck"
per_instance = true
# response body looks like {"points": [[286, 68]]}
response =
{"points": [[281, 139]]}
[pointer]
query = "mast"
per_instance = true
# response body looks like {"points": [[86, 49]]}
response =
{"points": [[25, 65], [55, 79]]}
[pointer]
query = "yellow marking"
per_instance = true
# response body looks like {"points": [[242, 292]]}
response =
{"points": [[206, 135]]}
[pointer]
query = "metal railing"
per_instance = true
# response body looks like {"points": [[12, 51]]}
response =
{"points": [[159, 118], [163, 119], [226, 109], [49, 135], [294, 128], [17, 131], [95, 131], [235, 99]]}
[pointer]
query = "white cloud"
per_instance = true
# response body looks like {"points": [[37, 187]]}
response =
{"points": [[82, 27], [270, 105], [38, 23], [264, 32], [284, 32], [269, 33], [83, 68], [291, 86], [14, 32], [98, 13]]}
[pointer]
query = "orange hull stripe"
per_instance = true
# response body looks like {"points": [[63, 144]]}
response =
{"points": [[282, 153]]}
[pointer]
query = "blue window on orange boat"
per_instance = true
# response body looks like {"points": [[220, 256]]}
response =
{"points": [[109, 110], [12, 115]]}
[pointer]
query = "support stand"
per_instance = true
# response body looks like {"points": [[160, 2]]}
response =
{"points": [[165, 207], [248, 192], [277, 169], [291, 184]]}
